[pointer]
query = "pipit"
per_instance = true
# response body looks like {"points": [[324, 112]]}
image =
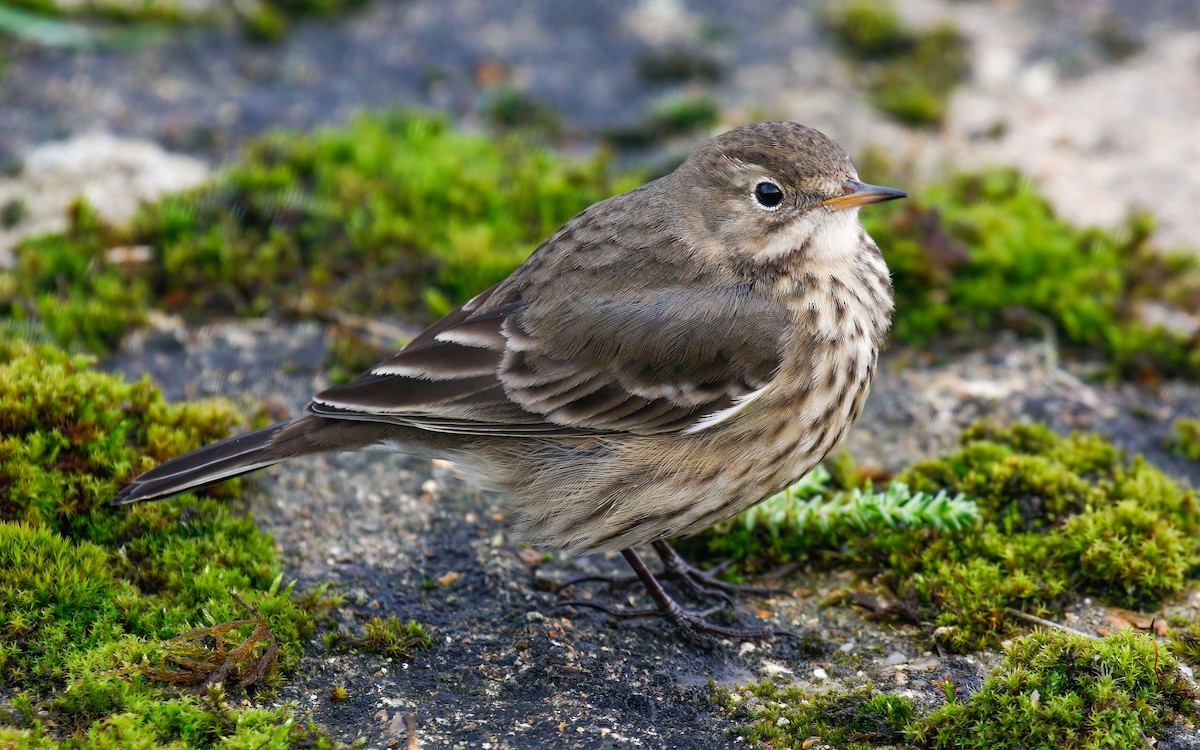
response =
{"points": [[664, 361]]}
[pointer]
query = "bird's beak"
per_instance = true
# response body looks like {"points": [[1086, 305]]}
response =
{"points": [[861, 194]]}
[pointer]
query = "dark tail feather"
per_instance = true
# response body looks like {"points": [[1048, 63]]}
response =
{"points": [[210, 464]]}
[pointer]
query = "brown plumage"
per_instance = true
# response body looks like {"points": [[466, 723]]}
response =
{"points": [[665, 360]]}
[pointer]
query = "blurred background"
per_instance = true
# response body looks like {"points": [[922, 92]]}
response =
{"points": [[281, 116]]}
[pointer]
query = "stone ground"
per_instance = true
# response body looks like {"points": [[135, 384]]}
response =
{"points": [[510, 667]]}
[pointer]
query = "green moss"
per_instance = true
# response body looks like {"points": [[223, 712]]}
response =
{"points": [[677, 63], [1053, 690], [101, 609], [1185, 438], [252, 15], [909, 74], [768, 715], [508, 108], [1061, 690], [977, 252], [393, 214], [1055, 516], [673, 117], [391, 637]]}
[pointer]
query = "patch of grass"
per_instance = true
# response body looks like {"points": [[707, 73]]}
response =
{"points": [[101, 609], [392, 214], [976, 252], [1056, 516], [1185, 438], [908, 74], [1053, 689]]}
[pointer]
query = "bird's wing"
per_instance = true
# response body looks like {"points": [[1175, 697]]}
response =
{"points": [[642, 361]]}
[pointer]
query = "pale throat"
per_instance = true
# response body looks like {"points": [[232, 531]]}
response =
{"points": [[835, 264]]}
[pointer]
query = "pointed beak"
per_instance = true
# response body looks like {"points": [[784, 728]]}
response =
{"points": [[861, 194]]}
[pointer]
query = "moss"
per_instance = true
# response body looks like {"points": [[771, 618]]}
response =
{"points": [[1055, 516], [673, 117], [677, 63], [977, 252], [768, 715], [102, 609], [1062, 690], [398, 214], [1053, 689], [393, 214], [908, 74], [390, 637], [14, 211], [252, 15], [1185, 438], [507, 109]]}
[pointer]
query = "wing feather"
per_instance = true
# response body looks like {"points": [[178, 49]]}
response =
{"points": [[549, 353]]}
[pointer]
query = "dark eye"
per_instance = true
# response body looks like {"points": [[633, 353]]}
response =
{"points": [[768, 194]]}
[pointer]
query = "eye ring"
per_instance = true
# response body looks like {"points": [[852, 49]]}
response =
{"points": [[768, 195]]}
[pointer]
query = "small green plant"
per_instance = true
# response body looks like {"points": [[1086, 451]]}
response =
{"points": [[677, 63], [507, 108], [671, 118], [266, 19], [907, 73], [806, 517], [1185, 438], [391, 637]]}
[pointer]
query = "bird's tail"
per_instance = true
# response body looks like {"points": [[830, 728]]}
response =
{"points": [[254, 450], [208, 465]]}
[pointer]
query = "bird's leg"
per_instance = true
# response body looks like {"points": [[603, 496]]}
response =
{"points": [[699, 583], [690, 623], [702, 583]]}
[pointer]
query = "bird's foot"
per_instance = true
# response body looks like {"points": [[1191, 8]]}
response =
{"points": [[692, 625], [704, 583], [700, 584]]}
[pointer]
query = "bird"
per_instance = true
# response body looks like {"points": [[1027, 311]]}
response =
{"points": [[665, 360]]}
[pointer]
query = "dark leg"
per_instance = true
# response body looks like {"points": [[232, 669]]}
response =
{"points": [[702, 583], [690, 624], [699, 583]]}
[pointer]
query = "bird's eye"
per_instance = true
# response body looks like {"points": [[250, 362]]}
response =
{"points": [[768, 195]]}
